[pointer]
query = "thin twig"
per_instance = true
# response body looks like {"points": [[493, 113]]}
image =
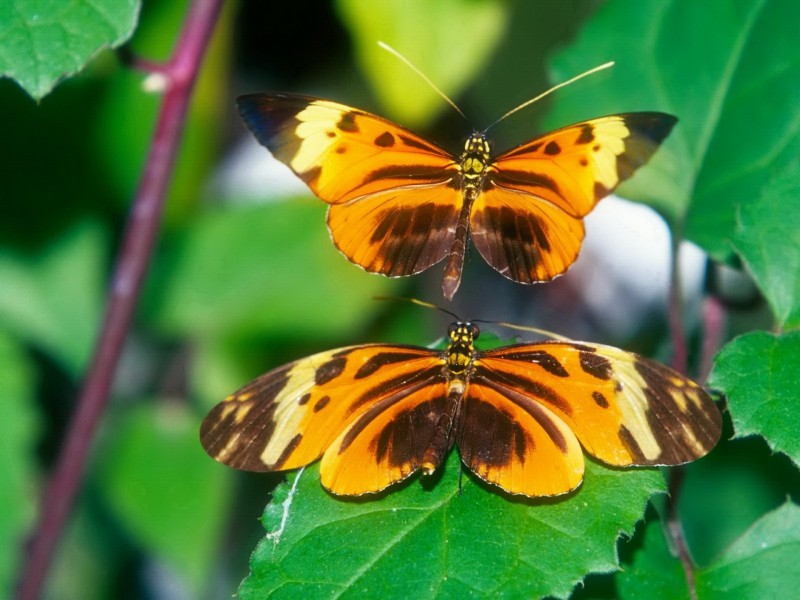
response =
{"points": [[713, 328], [143, 224], [675, 310], [680, 364], [675, 529]]}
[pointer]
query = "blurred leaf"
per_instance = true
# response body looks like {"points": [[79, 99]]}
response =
{"points": [[442, 543], [760, 564], [758, 374], [262, 268], [734, 57], [53, 300], [43, 41], [450, 41], [768, 239], [163, 488], [654, 573], [127, 116], [18, 430]]}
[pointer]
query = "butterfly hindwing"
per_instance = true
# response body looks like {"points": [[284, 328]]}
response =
{"points": [[624, 409], [528, 222], [387, 443], [517, 443], [394, 205], [289, 416]]}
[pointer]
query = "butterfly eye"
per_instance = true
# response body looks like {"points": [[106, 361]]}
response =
{"points": [[474, 330], [452, 329]]}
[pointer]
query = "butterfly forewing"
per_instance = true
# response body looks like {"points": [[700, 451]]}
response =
{"points": [[289, 416], [624, 409], [528, 222], [343, 153]]}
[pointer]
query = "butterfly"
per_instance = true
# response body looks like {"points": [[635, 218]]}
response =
{"points": [[519, 414], [400, 203]]}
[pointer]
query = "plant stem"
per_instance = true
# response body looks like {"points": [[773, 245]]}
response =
{"points": [[59, 495], [675, 311]]}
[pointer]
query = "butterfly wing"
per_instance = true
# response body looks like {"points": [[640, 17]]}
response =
{"points": [[394, 207], [625, 409], [386, 443], [528, 222], [290, 416]]}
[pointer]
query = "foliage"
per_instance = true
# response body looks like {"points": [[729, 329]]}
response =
{"points": [[243, 281]]}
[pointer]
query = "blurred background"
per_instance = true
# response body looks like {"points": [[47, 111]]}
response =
{"points": [[245, 277]]}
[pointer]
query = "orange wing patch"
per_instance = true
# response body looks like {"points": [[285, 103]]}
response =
{"points": [[519, 415], [400, 203]]}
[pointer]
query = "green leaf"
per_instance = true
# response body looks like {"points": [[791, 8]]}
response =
{"points": [[654, 573], [163, 488], [269, 268], [53, 299], [716, 65], [761, 564], [42, 41], [767, 237], [428, 34], [426, 537], [18, 430], [758, 374]]}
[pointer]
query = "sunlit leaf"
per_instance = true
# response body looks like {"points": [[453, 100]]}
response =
{"points": [[758, 373], [42, 41], [448, 40]]}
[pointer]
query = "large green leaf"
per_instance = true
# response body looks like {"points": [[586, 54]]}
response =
{"points": [[42, 41], [429, 541], [761, 563], [427, 32], [52, 299], [758, 373], [767, 237], [717, 65], [162, 487], [17, 468]]}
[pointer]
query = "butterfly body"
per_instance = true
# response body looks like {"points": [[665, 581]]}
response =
{"points": [[399, 203], [519, 415]]}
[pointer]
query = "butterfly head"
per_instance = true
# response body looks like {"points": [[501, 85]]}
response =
{"points": [[475, 158], [461, 347]]}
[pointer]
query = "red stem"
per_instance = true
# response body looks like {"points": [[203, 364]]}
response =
{"points": [[140, 234]]}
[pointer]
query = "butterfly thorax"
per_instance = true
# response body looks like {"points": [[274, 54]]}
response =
{"points": [[474, 160], [461, 348]]}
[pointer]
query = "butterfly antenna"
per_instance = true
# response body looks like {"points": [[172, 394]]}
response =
{"points": [[551, 90], [544, 332], [419, 303], [411, 66]]}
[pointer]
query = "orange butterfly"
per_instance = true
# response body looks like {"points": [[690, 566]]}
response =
{"points": [[377, 413], [400, 203]]}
